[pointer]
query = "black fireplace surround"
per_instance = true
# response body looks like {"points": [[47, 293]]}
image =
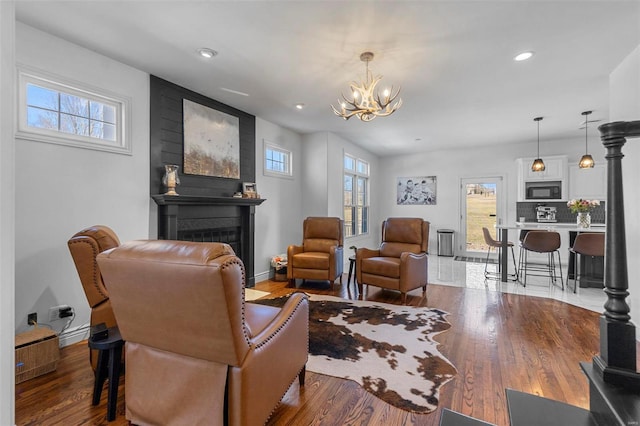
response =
{"points": [[205, 210]]}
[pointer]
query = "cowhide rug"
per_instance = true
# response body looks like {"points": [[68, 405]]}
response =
{"points": [[387, 349]]}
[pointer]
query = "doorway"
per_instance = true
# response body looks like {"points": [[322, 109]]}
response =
{"points": [[481, 205]]}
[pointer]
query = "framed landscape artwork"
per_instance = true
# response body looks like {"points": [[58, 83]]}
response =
{"points": [[416, 190], [211, 142]]}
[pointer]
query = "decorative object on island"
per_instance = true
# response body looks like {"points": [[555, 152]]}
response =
{"points": [[249, 190], [586, 162], [211, 141], [171, 179], [583, 209], [367, 103], [279, 265], [538, 164], [416, 190]]}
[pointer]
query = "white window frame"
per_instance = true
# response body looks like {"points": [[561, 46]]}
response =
{"points": [[367, 202], [122, 104], [268, 172]]}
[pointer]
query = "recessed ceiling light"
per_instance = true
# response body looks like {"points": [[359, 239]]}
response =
{"points": [[523, 56], [205, 52], [300, 106]]}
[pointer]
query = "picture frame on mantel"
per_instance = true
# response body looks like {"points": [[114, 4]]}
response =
{"points": [[211, 141], [249, 190]]}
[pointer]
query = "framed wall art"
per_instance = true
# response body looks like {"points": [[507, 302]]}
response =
{"points": [[211, 142], [419, 190]]}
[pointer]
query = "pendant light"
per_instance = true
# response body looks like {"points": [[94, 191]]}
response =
{"points": [[538, 164], [586, 162]]}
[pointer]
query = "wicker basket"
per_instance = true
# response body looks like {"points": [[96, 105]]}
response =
{"points": [[37, 353], [280, 274]]}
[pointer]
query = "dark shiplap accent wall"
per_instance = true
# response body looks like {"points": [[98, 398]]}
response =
{"points": [[167, 142]]}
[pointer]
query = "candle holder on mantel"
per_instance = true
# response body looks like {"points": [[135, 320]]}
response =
{"points": [[171, 179]]}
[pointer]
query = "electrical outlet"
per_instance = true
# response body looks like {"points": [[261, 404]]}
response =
{"points": [[59, 312], [32, 319]]}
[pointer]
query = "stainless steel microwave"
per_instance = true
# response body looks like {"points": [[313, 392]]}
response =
{"points": [[551, 190]]}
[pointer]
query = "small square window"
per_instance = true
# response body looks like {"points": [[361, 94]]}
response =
{"points": [[277, 161]]}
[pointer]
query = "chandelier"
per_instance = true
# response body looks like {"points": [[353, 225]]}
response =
{"points": [[367, 103]]}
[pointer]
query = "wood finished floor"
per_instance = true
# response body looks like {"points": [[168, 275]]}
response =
{"points": [[496, 341]]}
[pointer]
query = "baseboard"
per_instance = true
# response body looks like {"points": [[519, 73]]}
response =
{"points": [[262, 276], [74, 335]]}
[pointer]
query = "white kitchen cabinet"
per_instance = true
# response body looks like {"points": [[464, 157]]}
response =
{"points": [[590, 184], [555, 169]]}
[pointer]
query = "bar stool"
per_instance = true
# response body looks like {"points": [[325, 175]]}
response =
{"points": [[585, 244], [545, 242], [488, 239]]}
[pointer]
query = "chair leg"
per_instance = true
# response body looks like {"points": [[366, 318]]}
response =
{"points": [[486, 262], [560, 269], [575, 273], [301, 375], [524, 284], [513, 256], [404, 298]]}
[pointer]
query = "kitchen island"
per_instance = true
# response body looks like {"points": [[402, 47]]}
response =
{"points": [[570, 228]]}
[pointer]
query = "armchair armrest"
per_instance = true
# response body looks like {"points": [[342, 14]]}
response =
{"points": [[276, 354], [413, 270], [291, 251], [363, 253], [297, 302]]}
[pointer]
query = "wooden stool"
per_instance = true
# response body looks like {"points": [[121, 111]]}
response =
{"points": [[109, 365]]}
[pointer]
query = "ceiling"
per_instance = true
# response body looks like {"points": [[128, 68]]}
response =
{"points": [[453, 60]]}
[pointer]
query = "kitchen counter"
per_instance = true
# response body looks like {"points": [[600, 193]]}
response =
{"points": [[555, 226]]}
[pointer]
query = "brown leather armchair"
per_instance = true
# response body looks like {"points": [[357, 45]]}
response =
{"points": [[320, 255], [84, 246], [196, 353], [401, 261]]}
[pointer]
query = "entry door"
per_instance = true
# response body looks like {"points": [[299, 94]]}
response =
{"points": [[481, 205]]}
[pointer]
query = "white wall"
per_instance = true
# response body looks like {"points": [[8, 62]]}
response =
{"points": [[279, 219], [7, 213], [314, 197], [624, 83], [60, 190]]}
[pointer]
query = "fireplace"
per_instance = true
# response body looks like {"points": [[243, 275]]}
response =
{"points": [[211, 219]]}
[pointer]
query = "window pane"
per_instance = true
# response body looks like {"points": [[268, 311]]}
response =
{"points": [[102, 112], [41, 97], [348, 190], [365, 220], [73, 124], [348, 222], [102, 130], [349, 163], [362, 185], [74, 105], [41, 118], [363, 167]]}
